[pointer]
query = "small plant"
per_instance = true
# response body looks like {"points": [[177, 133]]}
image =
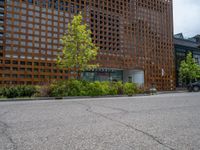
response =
{"points": [[10, 92], [130, 88], [25, 90], [43, 91], [68, 88], [74, 88], [59, 88], [116, 88], [95, 89]]}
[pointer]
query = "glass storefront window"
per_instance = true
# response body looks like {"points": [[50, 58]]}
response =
{"points": [[88, 76], [114, 75]]}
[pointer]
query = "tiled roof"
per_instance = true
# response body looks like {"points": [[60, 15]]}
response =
{"points": [[186, 42]]}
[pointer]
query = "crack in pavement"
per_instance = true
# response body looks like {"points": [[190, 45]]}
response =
{"points": [[4, 132], [154, 138], [114, 108]]}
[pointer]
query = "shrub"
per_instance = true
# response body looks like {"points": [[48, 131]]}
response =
{"points": [[25, 90], [10, 92], [18, 91], [68, 88], [94, 89], [116, 88], [43, 91], [76, 88], [130, 88], [140, 91], [1, 92], [97, 88], [84, 88], [59, 88], [83, 91], [105, 87], [79, 88]]}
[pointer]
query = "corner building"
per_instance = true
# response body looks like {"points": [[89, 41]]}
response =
{"points": [[135, 39]]}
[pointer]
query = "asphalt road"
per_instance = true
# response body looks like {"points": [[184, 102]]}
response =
{"points": [[161, 122]]}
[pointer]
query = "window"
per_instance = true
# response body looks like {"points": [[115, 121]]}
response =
{"points": [[29, 69], [36, 63], [36, 76], [29, 63], [7, 61], [22, 76], [14, 75], [197, 58], [15, 62]]}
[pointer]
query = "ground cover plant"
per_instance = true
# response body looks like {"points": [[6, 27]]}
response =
{"points": [[70, 88]]}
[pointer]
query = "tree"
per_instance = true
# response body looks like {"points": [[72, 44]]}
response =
{"points": [[78, 49], [189, 69]]}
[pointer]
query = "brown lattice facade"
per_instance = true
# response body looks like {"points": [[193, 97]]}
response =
{"points": [[132, 35]]}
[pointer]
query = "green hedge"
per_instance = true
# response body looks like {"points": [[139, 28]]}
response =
{"points": [[70, 88], [84, 88], [130, 88], [17, 91], [97, 88]]}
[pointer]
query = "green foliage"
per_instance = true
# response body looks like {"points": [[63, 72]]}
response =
{"points": [[83, 88], [43, 91], [1, 91], [75, 88], [97, 88], [17, 91], [59, 88], [189, 69], [9, 92], [116, 88], [130, 88], [25, 90], [78, 49], [68, 88]]}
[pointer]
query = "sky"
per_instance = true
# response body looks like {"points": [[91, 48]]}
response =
{"points": [[187, 17]]}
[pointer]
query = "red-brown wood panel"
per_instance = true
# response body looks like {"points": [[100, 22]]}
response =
{"points": [[131, 34]]}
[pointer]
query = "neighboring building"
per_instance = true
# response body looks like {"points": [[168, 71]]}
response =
{"points": [[197, 38], [182, 47], [135, 39]]}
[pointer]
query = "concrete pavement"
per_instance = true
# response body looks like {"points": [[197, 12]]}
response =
{"points": [[159, 122]]}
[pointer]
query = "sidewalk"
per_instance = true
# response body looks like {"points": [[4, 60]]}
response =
{"points": [[178, 90], [83, 97]]}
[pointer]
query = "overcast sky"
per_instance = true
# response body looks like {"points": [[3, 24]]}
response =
{"points": [[187, 17]]}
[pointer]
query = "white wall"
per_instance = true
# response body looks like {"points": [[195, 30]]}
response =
{"points": [[136, 75]]}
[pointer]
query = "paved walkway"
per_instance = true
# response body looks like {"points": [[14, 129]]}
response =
{"points": [[167, 121]]}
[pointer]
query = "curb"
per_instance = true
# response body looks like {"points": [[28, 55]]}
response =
{"points": [[26, 99], [64, 98], [83, 97], [168, 92]]}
